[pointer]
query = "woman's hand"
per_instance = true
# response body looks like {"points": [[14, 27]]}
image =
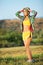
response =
{"points": [[21, 10], [30, 10]]}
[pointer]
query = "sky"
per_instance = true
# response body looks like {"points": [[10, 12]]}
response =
{"points": [[8, 8]]}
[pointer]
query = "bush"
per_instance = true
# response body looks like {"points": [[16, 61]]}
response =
{"points": [[37, 41], [11, 39], [14, 38]]}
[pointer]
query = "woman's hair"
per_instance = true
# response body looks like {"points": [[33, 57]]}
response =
{"points": [[26, 8]]}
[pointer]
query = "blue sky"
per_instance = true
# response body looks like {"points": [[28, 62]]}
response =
{"points": [[8, 8]]}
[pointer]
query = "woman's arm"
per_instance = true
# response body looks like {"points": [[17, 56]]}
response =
{"points": [[34, 13], [32, 17], [18, 15]]}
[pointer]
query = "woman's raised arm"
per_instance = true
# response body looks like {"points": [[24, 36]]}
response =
{"points": [[18, 15]]}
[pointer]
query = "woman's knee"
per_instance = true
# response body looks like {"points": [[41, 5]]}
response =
{"points": [[27, 43]]}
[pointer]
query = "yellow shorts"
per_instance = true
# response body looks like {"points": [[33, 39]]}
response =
{"points": [[27, 34]]}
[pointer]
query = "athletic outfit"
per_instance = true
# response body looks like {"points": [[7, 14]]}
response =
{"points": [[28, 33], [29, 22]]}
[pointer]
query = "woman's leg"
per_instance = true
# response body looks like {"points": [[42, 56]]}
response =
{"points": [[27, 46]]}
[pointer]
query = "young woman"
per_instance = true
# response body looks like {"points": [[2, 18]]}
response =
{"points": [[27, 26]]}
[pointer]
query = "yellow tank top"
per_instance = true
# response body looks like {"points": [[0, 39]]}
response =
{"points": [[27, 22]]}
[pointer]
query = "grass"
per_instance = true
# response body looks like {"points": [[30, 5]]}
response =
{"points": [[17, 55]]}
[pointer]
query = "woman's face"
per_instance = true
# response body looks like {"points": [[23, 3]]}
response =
{"points": [[26, 13]]}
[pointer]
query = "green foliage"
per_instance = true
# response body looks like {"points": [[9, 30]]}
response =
{"points": [[14, 38], [10, 39]]}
